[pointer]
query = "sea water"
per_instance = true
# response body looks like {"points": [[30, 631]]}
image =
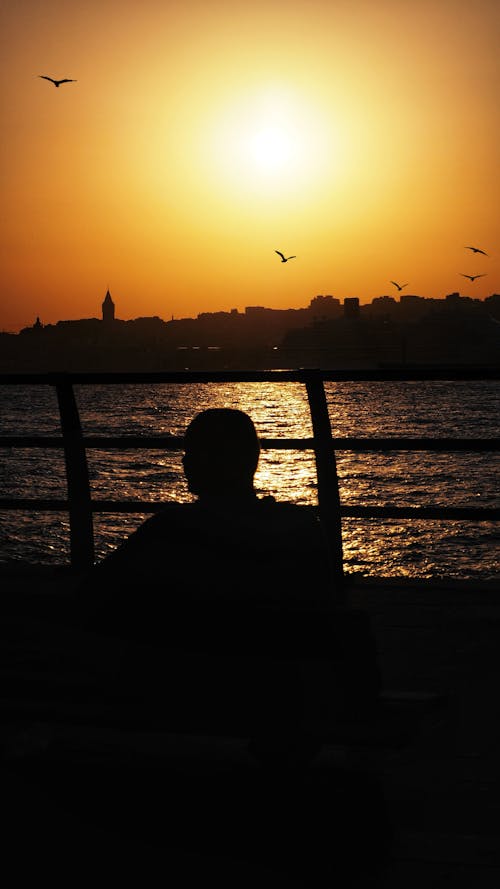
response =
{"points": [[383, 548]]}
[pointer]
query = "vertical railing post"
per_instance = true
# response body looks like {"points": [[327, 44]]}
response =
{"points": [[326, 470], [77, 477]]}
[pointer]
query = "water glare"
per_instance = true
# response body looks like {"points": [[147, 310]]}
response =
{"points": [[379, 548]]}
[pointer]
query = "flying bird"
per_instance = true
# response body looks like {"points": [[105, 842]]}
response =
{"points": [[284, 258], [476, 250], [472, 277], [57, 82], [399, 286]]}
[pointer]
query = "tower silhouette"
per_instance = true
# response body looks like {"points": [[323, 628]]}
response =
{"points": [[108, 308]]}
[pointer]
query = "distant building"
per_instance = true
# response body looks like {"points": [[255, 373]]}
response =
{"points": [[108, 309], [351, 307], [492, 304], [413, 307], [322, 308], [383, 307], [252, 311]]}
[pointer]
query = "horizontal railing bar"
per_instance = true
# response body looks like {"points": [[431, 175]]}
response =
{"points": [[466, 513], [27, 504], [176, 443], [173, 442], [448, 513], [394, 372], [31, 441], [417, 444], [487, 513], [137, 442]]}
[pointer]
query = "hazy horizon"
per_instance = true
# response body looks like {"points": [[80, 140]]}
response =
{"points": [[197, 139]]}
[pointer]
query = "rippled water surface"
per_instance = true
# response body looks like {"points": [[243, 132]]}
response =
{"points": [[383, 548]]}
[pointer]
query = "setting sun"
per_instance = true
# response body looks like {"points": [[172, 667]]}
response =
{"points": [[271, 140], [273, 149]]}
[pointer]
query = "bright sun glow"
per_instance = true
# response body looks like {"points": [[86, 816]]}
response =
{"points": [[272, 148], [273, 140]]}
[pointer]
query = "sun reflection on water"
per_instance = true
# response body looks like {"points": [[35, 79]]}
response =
{"points": [[384, 548]]}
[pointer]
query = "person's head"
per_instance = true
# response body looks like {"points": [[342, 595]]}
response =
{"points": [[221, 453]]}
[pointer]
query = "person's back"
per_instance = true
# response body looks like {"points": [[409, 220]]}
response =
{"points": [[228, 546]]}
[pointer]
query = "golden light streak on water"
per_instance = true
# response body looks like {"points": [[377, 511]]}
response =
{"points": [[379, 548]]}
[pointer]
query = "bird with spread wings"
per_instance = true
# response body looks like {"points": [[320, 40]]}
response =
{"points": [[57, 82], [283, 257], [476, 250]]}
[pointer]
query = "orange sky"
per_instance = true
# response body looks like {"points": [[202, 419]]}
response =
{"points": [[362, 136]]}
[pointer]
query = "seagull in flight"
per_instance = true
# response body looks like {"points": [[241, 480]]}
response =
{"points": [[476, 250], [57, 82], [284, 258], [399, 286], [472, 277]]}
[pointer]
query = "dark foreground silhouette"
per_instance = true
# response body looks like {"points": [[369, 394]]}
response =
{"points": [[223, 611], [231, 600]]}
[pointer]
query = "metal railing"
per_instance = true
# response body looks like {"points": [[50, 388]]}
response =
{"points": [[81, 506]]}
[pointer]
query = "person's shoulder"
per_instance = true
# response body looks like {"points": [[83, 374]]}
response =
{"points": [[172, 516], [173, 510], [286, 511], [292, 520], [165, 531]]}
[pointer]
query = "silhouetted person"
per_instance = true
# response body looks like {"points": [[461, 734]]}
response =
{"points": [[229, 546], [234, 575]]}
